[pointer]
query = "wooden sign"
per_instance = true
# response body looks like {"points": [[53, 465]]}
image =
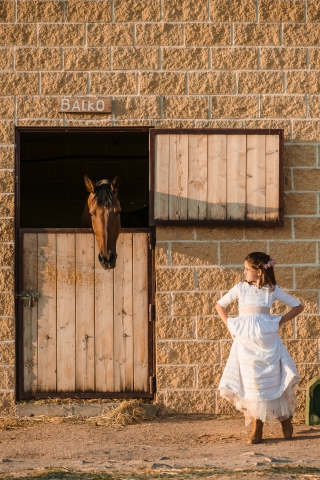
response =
{"points": [[85, 105]]}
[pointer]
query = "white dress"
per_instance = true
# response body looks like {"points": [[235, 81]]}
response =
{"points": [[260, 375]]}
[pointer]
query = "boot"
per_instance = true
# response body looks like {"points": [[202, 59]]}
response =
{"points": [[256, 432], [287, 428]]}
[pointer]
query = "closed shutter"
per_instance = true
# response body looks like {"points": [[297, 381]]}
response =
{"points": [[216, 177]]}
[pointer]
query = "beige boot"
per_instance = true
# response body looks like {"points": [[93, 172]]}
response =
{"points": [[287, 428], [256, 432]]}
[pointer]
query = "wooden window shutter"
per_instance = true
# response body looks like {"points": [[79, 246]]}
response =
{"points": [[216, 177]]}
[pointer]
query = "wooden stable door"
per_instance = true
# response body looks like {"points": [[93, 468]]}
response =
{"points": [[88, 331]]}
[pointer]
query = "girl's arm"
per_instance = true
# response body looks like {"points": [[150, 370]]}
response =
{"points": [[291, 314], [222, 312]]}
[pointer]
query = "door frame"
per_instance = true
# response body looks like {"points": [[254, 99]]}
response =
{"points": [[18, 272]]}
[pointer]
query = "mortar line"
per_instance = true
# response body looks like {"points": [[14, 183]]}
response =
{"points": [[15, 105], [257, 11], [64, 11], [85, 35], [112, 11], [308, 58], [281, 34], [111, 58], [89, 83], [305, 10], [134, 36]]}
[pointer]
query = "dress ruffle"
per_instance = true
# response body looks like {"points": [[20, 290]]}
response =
{"points": [[260, 375], [277, 409]]}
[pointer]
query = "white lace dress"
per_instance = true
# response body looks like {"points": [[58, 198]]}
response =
{"points": [[260, 375]]}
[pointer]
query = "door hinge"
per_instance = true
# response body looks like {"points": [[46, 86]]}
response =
{"points": [[152, 385], [152, 312]]}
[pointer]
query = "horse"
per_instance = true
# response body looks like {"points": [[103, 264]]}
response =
{"points": [[102, 213]]}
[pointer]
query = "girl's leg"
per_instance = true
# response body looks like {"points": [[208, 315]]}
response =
{"points": [[287, 428], [256, 431]]}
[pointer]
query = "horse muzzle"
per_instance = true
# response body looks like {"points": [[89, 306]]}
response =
{"points": [[108, 261]]}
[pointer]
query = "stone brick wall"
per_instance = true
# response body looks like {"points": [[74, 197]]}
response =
{"points": [[177, 63]]}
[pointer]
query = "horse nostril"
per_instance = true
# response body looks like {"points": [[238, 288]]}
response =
{"points": [[108, 258]]}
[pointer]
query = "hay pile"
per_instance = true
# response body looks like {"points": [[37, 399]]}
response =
{"points": [[127, 413]]}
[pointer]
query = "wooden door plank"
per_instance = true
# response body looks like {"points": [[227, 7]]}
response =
{"points": [[104, 328], [47, 313], [30, 313], [272, 177], [161, 204], [123, 327], [140, 311], [198, 177], [85, 312], [178, 177], [66, 312], [217, 177], [256, 177], [236, 177]]}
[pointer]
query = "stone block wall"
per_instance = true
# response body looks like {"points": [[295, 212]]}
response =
{"points": [[177, 63]]}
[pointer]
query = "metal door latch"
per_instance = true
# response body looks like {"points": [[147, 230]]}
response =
{"points": [[28, 295]]}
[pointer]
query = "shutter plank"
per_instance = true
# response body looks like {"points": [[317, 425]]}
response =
{"points": [[217, 177], [123, 331], [198, 177], [161, 204], [272, 177], [66, 312], [178, 177], [30, 314], [256, 177], [104, 328], [85, 312], [47, 313], [140, 311], [236, 174]]}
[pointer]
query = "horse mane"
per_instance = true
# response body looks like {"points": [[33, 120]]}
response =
{"points": [[103, 194]]}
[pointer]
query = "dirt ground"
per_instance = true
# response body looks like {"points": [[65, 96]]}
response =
{"points": [[178, 447]]}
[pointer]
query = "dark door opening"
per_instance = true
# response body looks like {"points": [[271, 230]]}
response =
{"points": [[53, 164]]}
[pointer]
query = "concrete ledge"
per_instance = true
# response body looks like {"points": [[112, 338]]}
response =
{"points": [[82, 410]]}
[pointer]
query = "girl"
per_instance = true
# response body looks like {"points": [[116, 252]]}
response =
{"points": [[260, 375]]}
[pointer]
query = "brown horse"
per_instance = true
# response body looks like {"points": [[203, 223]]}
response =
{"points": [[102, 213]]}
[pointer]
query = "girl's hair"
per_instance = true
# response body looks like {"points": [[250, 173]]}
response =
{"points": [[259, 261]]}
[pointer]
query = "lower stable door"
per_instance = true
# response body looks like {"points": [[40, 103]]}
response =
{"points": [[85, 330]]}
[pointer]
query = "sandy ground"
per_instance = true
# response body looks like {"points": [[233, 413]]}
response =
{"points": [[164, 447]]}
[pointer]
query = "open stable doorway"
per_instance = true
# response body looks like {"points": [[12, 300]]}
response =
{"points": [[53, 164], [82, 331]]}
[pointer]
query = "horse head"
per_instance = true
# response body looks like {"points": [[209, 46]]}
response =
{"points": [[104, 209]]}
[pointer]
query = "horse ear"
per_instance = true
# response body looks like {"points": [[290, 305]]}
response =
{"points": [[115, 185], [90, 185]]}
